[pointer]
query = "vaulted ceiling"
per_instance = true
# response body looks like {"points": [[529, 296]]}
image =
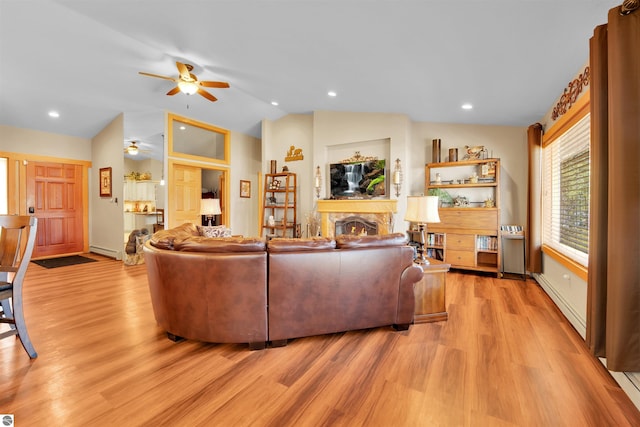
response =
{"points": [[509, 58]]}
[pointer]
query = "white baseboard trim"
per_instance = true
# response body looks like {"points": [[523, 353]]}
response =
{"points": [[628, 381], [572, 316], [106, 252]]}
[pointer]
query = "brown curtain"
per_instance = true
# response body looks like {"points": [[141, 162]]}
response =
{"points": [[613, 296], [534, 204]]}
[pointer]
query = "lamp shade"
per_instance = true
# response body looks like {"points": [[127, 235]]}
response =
{"points": [[422, 209], [210, 207]]}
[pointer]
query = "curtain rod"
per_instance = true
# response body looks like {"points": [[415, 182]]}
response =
{"points": [[629, 6]]}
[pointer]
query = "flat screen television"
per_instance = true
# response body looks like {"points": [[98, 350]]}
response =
{"points": [[358, 180]]}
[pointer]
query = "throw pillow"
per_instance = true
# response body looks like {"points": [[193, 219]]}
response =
{"points": [[214, 231]]}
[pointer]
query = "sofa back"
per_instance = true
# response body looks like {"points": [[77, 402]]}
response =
{"points": [[218, 289], [360, 284]]}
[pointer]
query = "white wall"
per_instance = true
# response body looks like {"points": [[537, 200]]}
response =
{"points": [[277, 138], [106, 217], [245, 164], [27, 141]]}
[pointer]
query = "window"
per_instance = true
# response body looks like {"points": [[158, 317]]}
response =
{"points": [[565, 218]]}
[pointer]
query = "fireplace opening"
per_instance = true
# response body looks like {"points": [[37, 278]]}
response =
{"points": [[355, 225]]}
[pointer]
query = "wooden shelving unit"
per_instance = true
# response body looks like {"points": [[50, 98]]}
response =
{"points": [[470, 227], [280, 202]]}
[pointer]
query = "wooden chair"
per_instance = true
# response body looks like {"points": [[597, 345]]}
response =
{"points": [[159, 225], [17, 238]]}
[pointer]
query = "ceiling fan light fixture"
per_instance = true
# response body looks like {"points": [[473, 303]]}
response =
{"points": [[188, 88], [133, 150]]}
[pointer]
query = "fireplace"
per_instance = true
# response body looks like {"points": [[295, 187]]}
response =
{"points": [[373, 211], [356, 225]]}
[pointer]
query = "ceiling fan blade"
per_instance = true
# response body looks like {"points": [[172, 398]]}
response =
{"points": [[173, 91], [184, 71], [214, 84], [158, 76], [207, 95]]}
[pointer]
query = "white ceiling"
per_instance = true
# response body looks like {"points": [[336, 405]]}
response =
{"points": [[510, 58]]}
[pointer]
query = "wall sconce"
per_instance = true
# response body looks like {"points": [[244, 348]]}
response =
{"points": [[422, 209], [210, 207], [397, 177], [318, 181]]}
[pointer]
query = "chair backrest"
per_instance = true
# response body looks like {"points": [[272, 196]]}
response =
{"points": [[17, 239]]}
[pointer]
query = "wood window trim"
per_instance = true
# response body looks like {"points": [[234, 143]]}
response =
{"points": [[577, 111]]}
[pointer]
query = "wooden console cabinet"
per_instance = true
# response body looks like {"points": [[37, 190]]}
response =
{"points": [[430, 293], [470, 227]]}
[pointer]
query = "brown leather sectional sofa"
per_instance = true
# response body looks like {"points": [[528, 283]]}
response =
{"points": [[246, 290]]}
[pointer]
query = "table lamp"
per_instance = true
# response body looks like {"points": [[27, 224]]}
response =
{"points": [[422, 209], [210, 207]]}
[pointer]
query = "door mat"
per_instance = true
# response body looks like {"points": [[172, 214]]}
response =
{"points": [[63, 261]]}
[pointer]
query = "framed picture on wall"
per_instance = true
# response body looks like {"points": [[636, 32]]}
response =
{"points": [[245, 188], [105, 182]]}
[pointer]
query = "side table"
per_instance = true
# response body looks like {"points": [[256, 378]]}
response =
{"points": [[430, 293]]}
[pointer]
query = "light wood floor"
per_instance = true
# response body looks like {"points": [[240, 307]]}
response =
{"points": [[505, 357]]}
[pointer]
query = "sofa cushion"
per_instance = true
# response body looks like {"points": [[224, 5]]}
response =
{"points": [[351, 241], [214, 231], [164, 239], [220, 244], [294, 245]]}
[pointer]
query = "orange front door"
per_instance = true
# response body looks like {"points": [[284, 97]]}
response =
{"points": [[54, 192]]}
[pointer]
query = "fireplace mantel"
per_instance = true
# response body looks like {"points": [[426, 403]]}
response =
{"points": [[378, 210]]}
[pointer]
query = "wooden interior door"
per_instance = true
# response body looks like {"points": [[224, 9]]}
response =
{"points": [[54, 196], [185, 191]]}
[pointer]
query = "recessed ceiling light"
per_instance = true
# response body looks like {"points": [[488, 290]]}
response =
{"points": [[332, 93], [467, 106], [274, 102], [54, 114]]}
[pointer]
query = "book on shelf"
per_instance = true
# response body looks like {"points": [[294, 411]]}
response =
{"points": [[487, 243], [435, 254], [435, 239]]}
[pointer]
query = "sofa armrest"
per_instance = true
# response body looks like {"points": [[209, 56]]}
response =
{"points": [[406, 300]]}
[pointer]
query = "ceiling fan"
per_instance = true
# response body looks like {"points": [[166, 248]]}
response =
{"points": [[188, 83], [133, 149]]}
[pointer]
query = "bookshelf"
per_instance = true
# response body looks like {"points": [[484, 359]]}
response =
{"points": [[469, 191]]}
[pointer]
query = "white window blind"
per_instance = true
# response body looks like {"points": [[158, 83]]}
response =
{"points": [[565, 217]]}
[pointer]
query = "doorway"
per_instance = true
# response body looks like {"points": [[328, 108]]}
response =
{"points": [[188, 182], [54, 194]]}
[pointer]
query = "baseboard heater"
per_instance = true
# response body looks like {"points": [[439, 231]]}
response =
{"points": [[106, 252]]}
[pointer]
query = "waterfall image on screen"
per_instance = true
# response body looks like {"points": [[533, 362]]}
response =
{"points": [[353, 176], [360, 180]]}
